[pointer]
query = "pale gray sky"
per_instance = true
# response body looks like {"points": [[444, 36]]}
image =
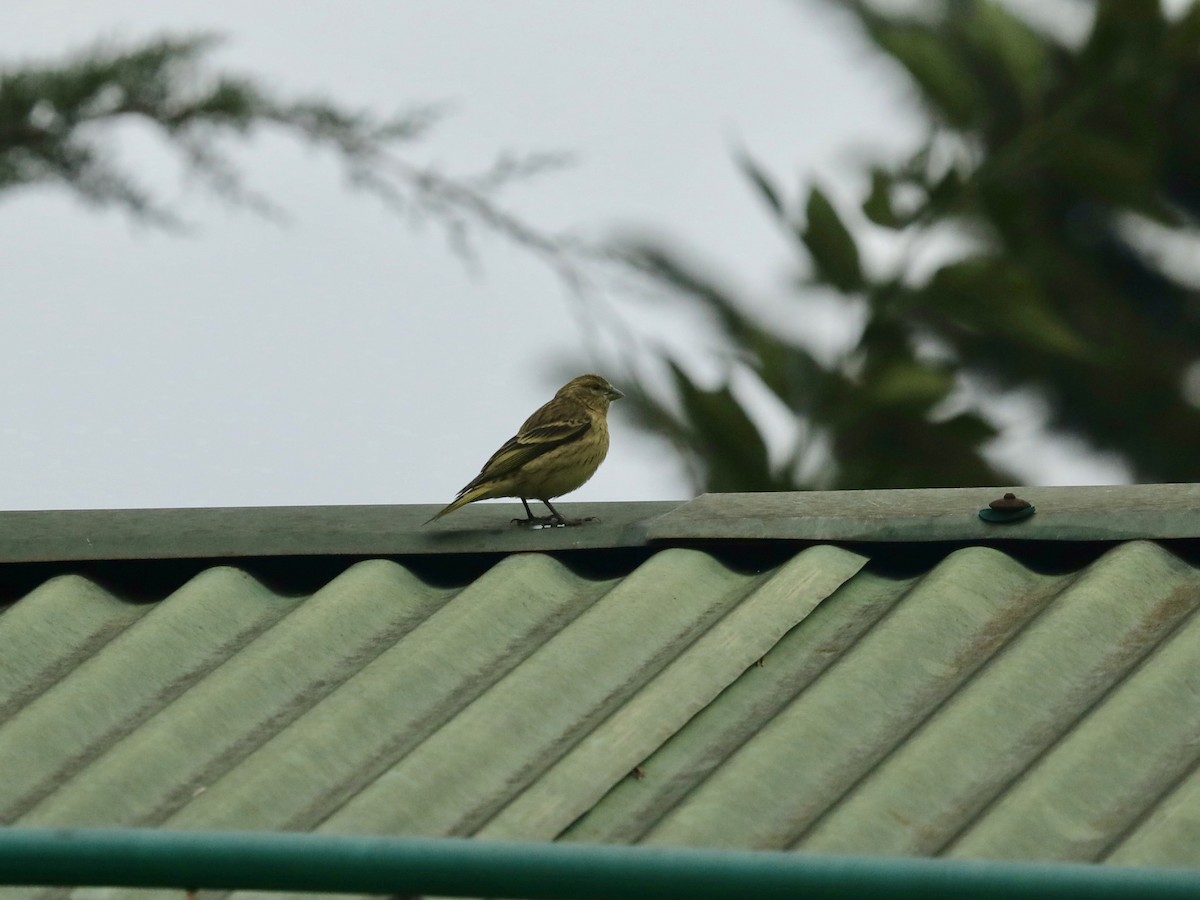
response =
{"points": [[346, 358]]}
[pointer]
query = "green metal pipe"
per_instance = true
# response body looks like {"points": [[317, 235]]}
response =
{"points": [[458, 867]]}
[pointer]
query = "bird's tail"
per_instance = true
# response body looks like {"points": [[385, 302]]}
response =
{"points": [[468, 495]]}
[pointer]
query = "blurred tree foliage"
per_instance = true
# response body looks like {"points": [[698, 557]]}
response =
{"points": [[57, 122], [1066, 168]]}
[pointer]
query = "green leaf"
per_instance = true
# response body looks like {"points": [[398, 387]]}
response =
{"points": [[1184, 38], [909, 384], [791, 373], [829, 242], [683, 276], [724, 437], [1127, 28], [897, 448], [762, 183], [1020, 51], [1111, 170], [968, 428], [878, 205], [994, 295], [946, 83]]}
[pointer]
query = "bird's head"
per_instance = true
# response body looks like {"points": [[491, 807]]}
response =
{"points": [[591, 390]]}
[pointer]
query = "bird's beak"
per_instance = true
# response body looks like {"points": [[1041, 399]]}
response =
{"points": [[614, 394]]}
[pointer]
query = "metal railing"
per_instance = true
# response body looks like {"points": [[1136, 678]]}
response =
{"points": [[460, 867]]}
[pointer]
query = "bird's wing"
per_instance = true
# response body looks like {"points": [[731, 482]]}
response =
{"points": [[554, 424]]}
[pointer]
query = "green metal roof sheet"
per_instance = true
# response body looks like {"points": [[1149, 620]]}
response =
{"points": [[816, 698], [988, 712]]}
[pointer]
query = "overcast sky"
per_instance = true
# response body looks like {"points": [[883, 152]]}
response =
{"points": [[347, 358]]}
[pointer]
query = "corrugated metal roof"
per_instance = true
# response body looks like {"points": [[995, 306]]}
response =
{"points": [[982, 710], [977, 706]]}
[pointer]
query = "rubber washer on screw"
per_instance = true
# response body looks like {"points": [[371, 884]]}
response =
{"points": [[1009, 508]]}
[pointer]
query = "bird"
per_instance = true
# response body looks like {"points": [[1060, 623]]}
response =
{"points": [[557, 449]]}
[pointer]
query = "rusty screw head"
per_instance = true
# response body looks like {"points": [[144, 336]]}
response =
{"points": [[1009, 508], [1009, 501]]}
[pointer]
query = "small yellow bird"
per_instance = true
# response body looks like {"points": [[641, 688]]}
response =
{"points": [[557, 449]]}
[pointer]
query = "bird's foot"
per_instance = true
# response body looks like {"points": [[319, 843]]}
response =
{"points": [[537, 521], [562, 523], [554, 521]]}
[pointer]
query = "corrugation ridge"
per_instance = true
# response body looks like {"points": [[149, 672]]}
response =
{"points": [[633, 807], [376, 717], [1168, 834], [1169, 786], [848, 717], [1173, 608], [62, 893], [773, 604], [51, 630], [457, 778], [47, 893], [1041, 597], [114, 691], [1099, 574], [257, 691]]}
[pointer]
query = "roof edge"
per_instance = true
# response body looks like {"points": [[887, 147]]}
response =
{"points": [[1074, 513], [1099, 513], [258, 531]]}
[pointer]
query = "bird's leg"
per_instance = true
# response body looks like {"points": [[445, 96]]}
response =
{"points": [[532, 521], [544, 521], [529, 521], [556, 518]]}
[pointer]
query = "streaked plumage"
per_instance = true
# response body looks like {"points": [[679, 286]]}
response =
{"points": [[557, 449]]}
